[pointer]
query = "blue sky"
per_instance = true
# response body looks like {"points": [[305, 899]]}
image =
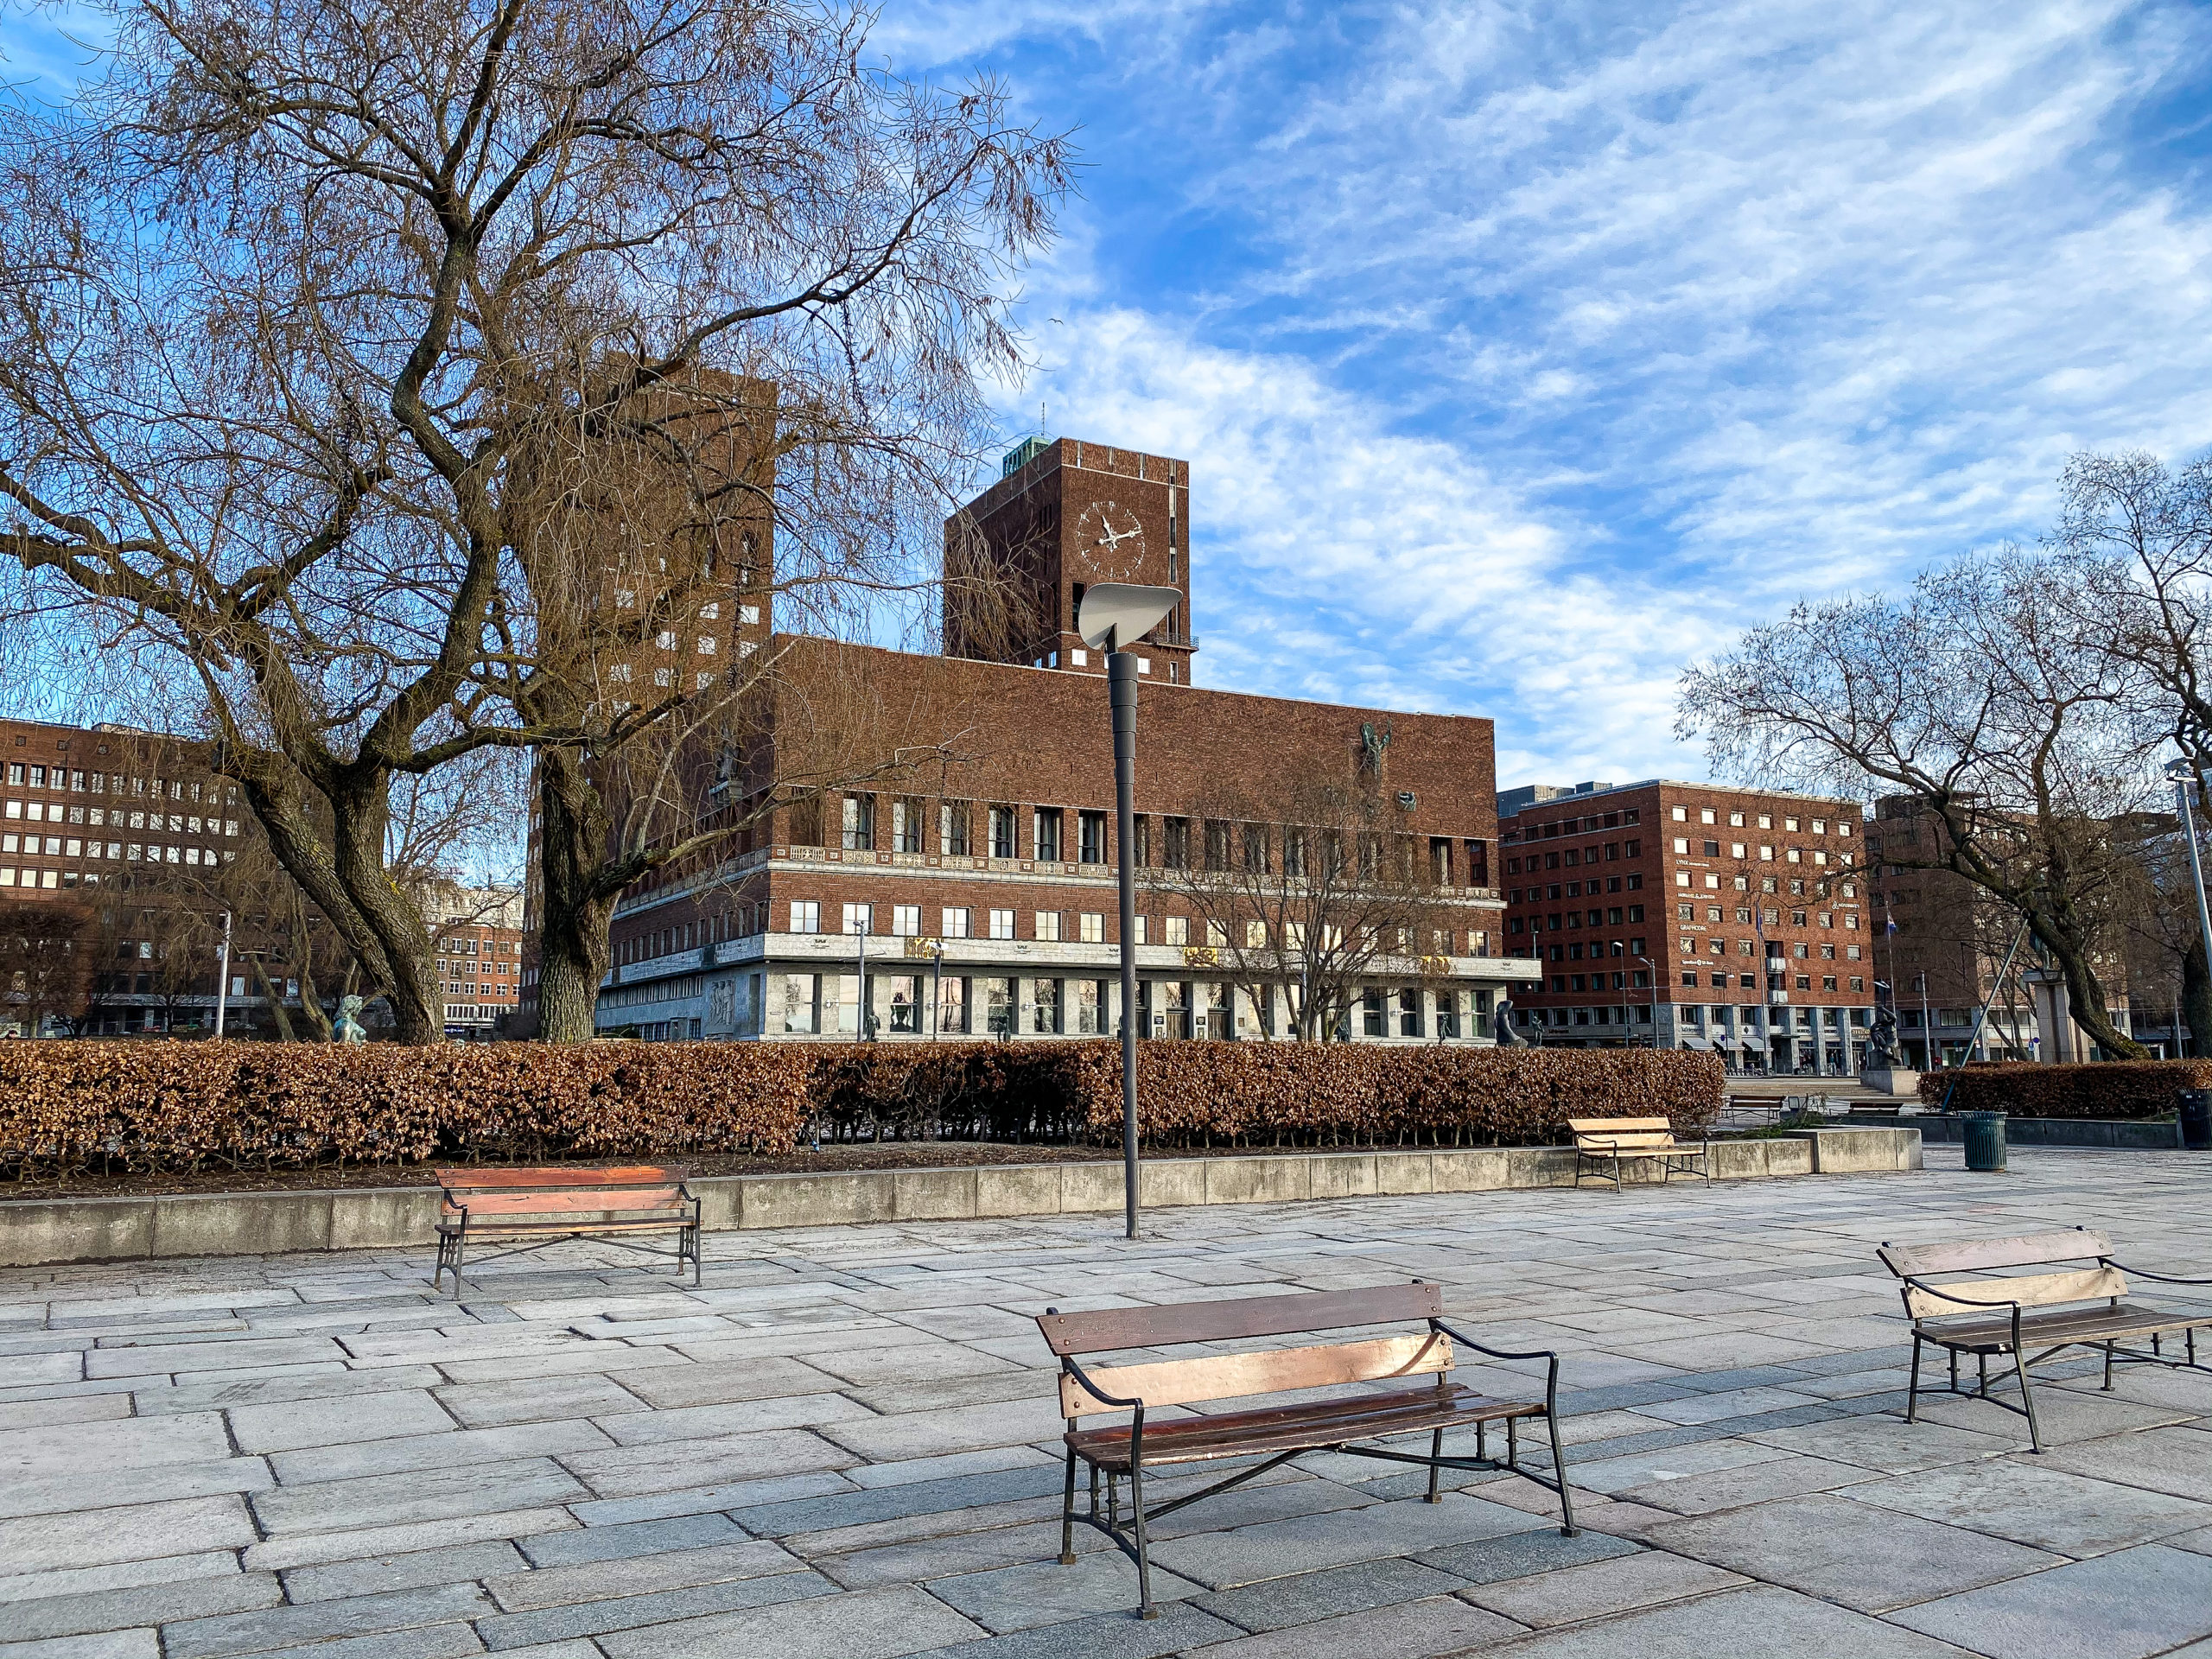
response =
{"points": [[1524, 352]]}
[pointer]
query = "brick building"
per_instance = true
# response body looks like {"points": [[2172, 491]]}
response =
{"points": [[477, 933], [976, 894], [1687, 915]]}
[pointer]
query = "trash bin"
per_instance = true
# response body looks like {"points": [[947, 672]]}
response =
{"points": [[2197, 1120], [1984, 1134]]}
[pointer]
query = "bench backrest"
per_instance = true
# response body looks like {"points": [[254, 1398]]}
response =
{"points": [[1629, 1132], [562, 1192], [1946, 1266], [1224, 1377]]}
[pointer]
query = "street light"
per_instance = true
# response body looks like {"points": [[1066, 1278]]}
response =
{"points": [[1112, 616], [2182, 773]]}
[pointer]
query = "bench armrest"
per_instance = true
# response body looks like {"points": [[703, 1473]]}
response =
{"points": [[1460, 1336], [1094, 1391], [2145, 1273]]}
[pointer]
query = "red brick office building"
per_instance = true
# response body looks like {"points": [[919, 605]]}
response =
{"points": [[1687, 915], [978, 895]]}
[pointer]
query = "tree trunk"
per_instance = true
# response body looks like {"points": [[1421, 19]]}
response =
{"points": [[410, 978], [275, 999], [2196, 999], [573, 949], [2086, 994]]}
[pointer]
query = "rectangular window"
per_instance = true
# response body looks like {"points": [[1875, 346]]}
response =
{"points": [[1002, 924], [952, 1004], [1045, 1010], [1091, 828], [906, 826], [955, 923], [906, 1001], [1175, 930], [1044, 833], [14, 771], [1175, 844], [952, 829], [859, 919], [806, 916], [906, 920], [859, 823], [799, 1001], [1091, 927], [997, 996], [1144, 923], [1003, 833], [1089, 1008], [1048, 924]]}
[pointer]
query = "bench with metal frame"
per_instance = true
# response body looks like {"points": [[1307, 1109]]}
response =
{"points": [[545, 1206], [2013, 1312], [1602, 1145], [1276, 1434]]}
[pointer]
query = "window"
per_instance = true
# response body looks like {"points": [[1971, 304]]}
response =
{"points": [[1680, 815], [1002, 835], [1175, 844], [1682, 844], [1048, 927], [905, 923], [859, 919], [1090, 927], [1705, 814], [1144, 928], [799, 1001], [952, 828], [807, 918], [997, 996], [1090, 837], [1252, 849], [1789, 825], [906, 827], [1090, 1010], [955, 923], [1736, 820], [1256, 936], [1002, 924], [952, 1003], [1175, 930], [859, 823], [1045, 1012], [906, 1001]]}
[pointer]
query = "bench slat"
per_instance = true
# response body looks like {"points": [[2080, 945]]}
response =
{"points": [[2074, 1324], [1598, 1146], [1971, 1255], [1619, 1125], [2029, 1290], [1331, 1422], [526, 1229], [1233, 1317], [1227, 1376], [626, 1175], [590, 1202]]}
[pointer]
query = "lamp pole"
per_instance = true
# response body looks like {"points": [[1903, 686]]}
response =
{"points": [[1651, 973], [2181, 773], [223, 974], [1112, 615]]}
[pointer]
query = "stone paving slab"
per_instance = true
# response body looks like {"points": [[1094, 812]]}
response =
{"points": [[845, 1445]]}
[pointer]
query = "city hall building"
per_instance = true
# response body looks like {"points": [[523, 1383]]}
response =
{"points": [[973, 894]]}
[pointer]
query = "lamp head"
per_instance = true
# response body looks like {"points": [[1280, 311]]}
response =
{"points": [[2181, 772], [1115, 614]]}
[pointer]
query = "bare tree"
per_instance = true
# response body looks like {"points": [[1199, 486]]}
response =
{"points": [[48, 952], [1983, 696], [315, 318], [1303, 894]]}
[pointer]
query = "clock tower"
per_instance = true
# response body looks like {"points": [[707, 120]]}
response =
{"points": [[1066, 514]]}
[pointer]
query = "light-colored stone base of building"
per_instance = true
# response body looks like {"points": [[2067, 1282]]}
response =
{"points": [[1891, 1080], [35, 1232]]}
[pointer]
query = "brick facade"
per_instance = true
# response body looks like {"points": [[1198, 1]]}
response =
{"points": [[1723, 918]]}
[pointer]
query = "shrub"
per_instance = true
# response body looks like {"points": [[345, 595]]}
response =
{"points": [[168, 1107], [2109, 1089]]}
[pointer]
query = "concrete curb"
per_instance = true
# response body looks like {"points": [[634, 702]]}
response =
{"points": [[44, 1231]]}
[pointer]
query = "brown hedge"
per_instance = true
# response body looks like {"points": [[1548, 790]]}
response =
{"points": [[165, 1107], [2109, 1089]]}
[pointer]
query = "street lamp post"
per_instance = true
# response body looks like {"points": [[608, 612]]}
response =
{"points": [[1113, 615], [1651, 973], [2182, 773], [223, 977]]}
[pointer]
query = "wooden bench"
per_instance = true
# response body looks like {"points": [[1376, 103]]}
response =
{"points": [[2075, 1307], [1272, 1434], [1602, 1145], [547, 1206]]}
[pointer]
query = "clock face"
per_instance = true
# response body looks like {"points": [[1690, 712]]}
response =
{"points": [[1111, 541]]}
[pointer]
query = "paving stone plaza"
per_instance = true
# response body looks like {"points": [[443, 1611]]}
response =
{"points": [[844, 1445]]}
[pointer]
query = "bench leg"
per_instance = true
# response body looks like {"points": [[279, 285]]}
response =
{"points": [[1567, 1527], [1955, 1370], [2108, 1366], [1513, 1442], [2027, 1399], [1145, 1609], [459, 1241], [1435, 1473], [1912, 1386], [1067, 1517]]}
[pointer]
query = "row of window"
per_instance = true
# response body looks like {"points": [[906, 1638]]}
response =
{"points": [[958, 922], [132, 851], [177, 824], [1766, 854], [1710, 881], [1215, 844], [1573, 826], [1633, 882], [1718, 947], [1750, 981], [25, 775], [1615, 914], [1572, 857]]}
